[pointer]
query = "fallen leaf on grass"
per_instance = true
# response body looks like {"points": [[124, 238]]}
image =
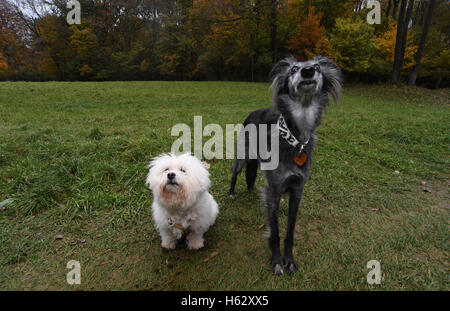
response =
{"points": [[261, 226], [6, 204], [59, 237], [78, 241], [99, 236], [427, 190], [169, 264], [28, 278], [206, 164], [214, 254]]}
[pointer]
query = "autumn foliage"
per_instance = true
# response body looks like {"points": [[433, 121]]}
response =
{"points": [[385, 45], [310, 39], [205, 39]]}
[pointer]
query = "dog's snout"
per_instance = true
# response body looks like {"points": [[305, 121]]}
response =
{"points": [[308, 72], [171, 176]]}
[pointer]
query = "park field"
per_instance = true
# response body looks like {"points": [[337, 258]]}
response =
{"points": [[73, 162]]}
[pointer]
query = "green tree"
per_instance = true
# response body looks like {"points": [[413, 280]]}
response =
{"points": [[175, 47], [353, 46]]}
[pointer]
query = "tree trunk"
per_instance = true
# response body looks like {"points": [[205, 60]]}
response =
{"points": [[394, 10], [273, 31], [388, 8], [423, 39], [404, 37], [416, 16], [360, 5], [438, 82], [398, 42]]}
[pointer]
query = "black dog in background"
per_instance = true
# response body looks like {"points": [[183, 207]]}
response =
{"points": [[300, 95]]}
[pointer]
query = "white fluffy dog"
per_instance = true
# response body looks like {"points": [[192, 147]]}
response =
{"points": [[182, 203]]}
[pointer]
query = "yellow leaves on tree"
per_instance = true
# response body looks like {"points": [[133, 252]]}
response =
{"points": [[145, 65], [385, 45], [84, 41], [170, 63], [85, 70], [231, 37], [353, 44], [310, 38]]}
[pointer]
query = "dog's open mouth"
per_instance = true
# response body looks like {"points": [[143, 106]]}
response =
{"points": [[307, 82]]}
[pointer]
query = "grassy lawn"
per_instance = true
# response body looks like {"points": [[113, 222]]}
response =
{"points": [[73, 158]]}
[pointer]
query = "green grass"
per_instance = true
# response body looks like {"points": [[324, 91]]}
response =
{"points": [[73, 158]]}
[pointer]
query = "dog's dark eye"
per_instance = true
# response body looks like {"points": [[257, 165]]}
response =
{"points": [[317, 67], [183, 170], [166, 170], [294, 69]]}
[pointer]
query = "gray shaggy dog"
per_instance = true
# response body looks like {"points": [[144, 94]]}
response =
{"points": [[300, 95]]}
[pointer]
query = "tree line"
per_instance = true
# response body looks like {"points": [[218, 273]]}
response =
{"points": [[222, 39]]}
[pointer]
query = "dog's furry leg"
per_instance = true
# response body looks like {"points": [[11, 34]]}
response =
{"points": [[273, 197], [237, 168], [295, 196], [168, 239], [195, 240], [251, 171]]}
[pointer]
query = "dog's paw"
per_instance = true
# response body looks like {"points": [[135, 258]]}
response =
{"points": [[278, 269], [168, 245], [290, 265], [195, 243]]}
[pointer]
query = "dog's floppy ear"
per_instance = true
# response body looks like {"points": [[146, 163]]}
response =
{"points": [[281, 67], [332, 77], [278, 76]]}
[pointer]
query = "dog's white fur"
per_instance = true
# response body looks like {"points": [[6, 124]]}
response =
{"points": [[186, 206]]}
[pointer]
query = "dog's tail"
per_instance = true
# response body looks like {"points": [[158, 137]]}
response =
{"points": [[251, 170]]}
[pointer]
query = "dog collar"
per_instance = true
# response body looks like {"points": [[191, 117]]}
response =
{"points": [[288, 136], [172, 224]]}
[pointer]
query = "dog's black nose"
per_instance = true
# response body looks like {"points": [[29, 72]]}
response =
{"points": [[171, 176], [308, 72]]}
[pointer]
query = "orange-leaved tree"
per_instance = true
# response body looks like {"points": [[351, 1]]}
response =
{"points": [[310, 39], [3, 66]]}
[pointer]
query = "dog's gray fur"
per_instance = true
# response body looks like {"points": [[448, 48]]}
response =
{"points": [[301, 105]]}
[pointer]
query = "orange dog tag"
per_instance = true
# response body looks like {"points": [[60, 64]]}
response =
{"points": [[300, 159]]}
